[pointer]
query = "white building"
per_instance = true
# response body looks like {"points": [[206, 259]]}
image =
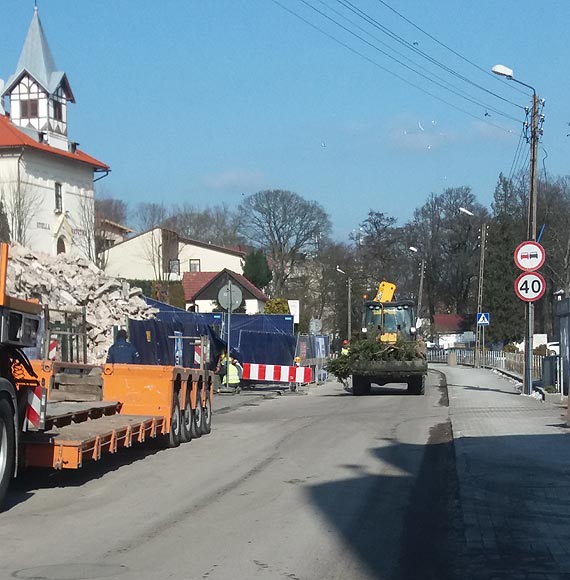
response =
{"points": [[161, 254], [46, 182]]}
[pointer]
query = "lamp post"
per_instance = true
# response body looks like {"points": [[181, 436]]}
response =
{"points": [[504, 71], [349, 317], [422, 272], [479, 330]]}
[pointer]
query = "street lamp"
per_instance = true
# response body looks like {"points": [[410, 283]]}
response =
{"points": [[466, 211], [479, 329], [421, 289], [349, 282], [504, 71]]}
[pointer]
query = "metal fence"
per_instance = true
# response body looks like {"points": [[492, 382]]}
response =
{"points": [[507, 361]]}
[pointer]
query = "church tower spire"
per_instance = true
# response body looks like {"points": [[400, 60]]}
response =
{"points": [[38, 93]]}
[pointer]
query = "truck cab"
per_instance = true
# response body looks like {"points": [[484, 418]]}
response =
{"points": [[389, 321]]}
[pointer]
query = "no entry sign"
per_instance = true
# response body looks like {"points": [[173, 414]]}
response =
{"points": [[530, 286], [529, 256]]}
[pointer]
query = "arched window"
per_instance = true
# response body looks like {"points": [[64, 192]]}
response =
{"points": [[61, 246]]}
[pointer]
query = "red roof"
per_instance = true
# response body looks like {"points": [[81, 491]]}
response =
{"points": [[12, 136], [194, 282]]}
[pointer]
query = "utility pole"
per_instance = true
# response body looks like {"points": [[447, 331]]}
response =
{"points": [[480, 345], [349, 312], [421, 289], [349, 281], [504, 71], [531, 235]]}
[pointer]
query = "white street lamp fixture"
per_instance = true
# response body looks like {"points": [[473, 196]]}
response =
{"points": [[413, 249], [339, 270], [503, 71], [466, 211]]}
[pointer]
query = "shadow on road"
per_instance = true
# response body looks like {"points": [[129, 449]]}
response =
{"points": [[34, 478], [506, 516]]}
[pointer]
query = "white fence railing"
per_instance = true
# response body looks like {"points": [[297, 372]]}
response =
{"points": [[507, 361]]}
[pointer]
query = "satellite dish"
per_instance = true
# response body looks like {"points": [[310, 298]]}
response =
{"points": [[230, 297]]}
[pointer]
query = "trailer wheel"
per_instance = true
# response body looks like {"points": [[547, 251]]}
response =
{"points": [[187, 420], [175, 425], [417, 385], [198, 416], [7, 447], [360, 385], [207, 414]]}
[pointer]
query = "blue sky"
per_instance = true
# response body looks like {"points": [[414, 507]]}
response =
{"points": [[204, 101]]}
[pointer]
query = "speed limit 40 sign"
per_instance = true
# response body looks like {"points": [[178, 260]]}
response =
{"points": [[530, 286]]}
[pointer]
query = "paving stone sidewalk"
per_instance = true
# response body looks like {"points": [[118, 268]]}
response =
{"points": [[513, 467]]}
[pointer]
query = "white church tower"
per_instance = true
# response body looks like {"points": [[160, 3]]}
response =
{"points": [[46, 182]]}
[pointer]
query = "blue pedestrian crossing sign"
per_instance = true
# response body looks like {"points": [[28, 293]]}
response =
{"points": [[483, 319]]}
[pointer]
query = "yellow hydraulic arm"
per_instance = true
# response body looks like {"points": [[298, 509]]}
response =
{"points": [[385, 292]]}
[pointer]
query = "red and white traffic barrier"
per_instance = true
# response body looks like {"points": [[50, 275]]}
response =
{"points": [[277, 373], [52, 354], [197, 356], [35, 408]]}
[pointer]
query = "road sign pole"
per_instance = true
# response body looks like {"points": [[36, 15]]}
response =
{"points": [[483, 347], [226, 377]]}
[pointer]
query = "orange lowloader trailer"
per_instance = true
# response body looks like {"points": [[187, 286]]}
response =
{"points": [[62, 415]]}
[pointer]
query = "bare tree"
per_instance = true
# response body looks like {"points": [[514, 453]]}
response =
{"points": [[285, 225], [85, 230], [111, 209], [21, 201], [217, 225], [162, 244]]}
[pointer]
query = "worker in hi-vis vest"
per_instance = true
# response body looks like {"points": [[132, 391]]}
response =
{"points": [[228, 370]]}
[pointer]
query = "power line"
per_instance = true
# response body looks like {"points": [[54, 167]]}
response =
{"points": [[512, 86], [378, 65], [452, 89], [425, 76], [517, 154], [394, 36]]}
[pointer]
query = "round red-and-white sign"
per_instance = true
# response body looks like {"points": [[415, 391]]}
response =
{"points": [[529, 256], [530, 286]]}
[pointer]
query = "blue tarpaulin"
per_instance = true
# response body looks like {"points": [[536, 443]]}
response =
{"points": [[170, 338], [259, 338], [267, 347]]}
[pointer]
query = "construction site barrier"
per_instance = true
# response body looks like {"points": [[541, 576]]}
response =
{"points": [[277, 373]]}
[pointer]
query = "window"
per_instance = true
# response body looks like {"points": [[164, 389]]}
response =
{"points": [[174, 267], [29, 109], [58, 199], [57, 111], [61, 246], [195, 266]]}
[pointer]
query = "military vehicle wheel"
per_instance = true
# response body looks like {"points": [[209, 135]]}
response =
{"points": [[417, 385], [360, 385], [7, 447]]}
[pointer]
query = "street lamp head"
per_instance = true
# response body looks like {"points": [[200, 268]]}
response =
{"points": [[339, 270], [413, 249], [466, 211], [503, 71]]}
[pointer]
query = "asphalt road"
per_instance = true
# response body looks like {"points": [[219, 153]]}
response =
{"points": [[316, 486]]}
